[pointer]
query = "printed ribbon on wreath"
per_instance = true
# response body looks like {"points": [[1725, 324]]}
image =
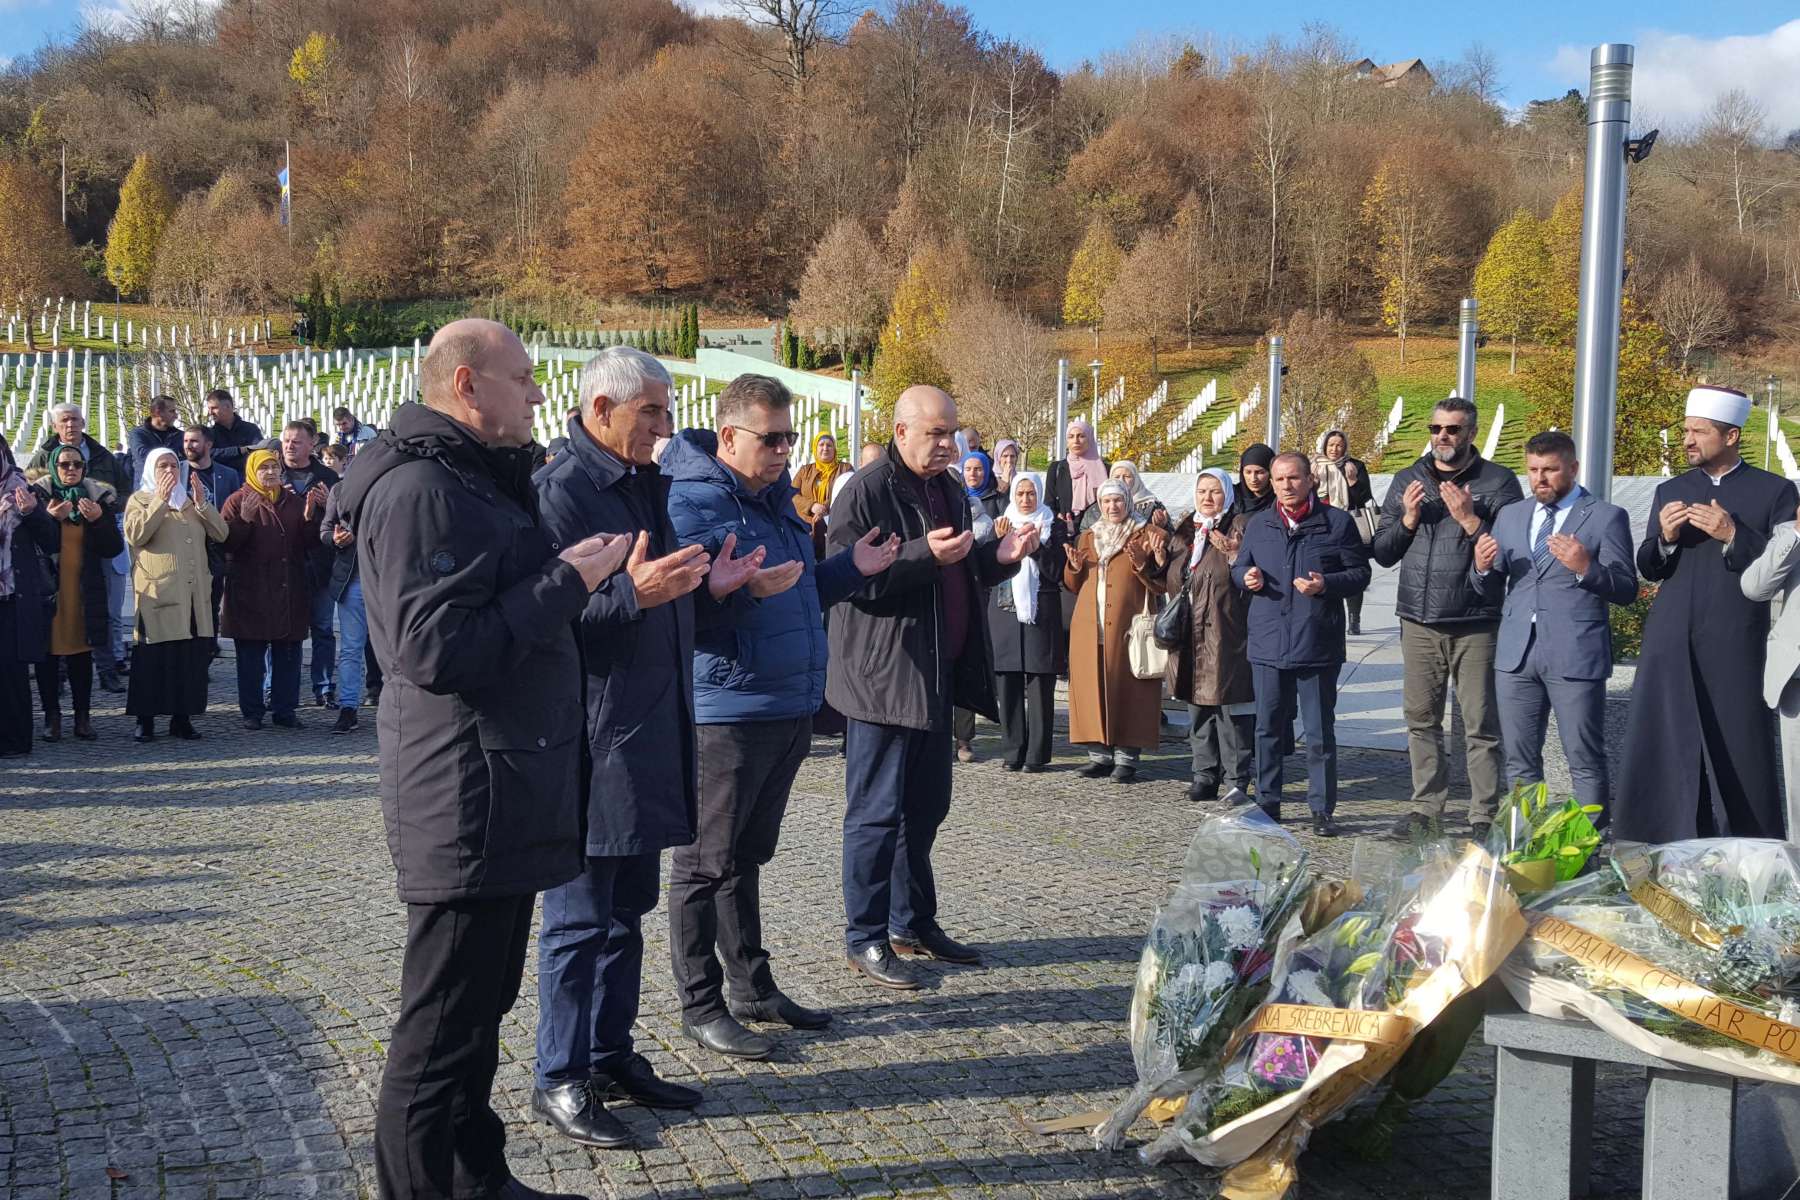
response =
{"points": [[1669, 990]]}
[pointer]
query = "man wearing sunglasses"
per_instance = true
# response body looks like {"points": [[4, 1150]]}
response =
{"points": [[759, 676], [1435, 512]]}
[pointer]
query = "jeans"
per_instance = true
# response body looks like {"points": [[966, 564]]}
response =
{"points": [[119, 614], [897, 782], [436, 1133], [324, 644], [282, 661], [591, 966], [1278, 692], [353, 640], [1437, 655], [746, 773]]}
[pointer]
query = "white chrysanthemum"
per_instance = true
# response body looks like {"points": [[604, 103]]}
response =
{"points": [[1190, 977], [1241, 926], [1790, 1011], [1304, 987], [1218, 974]]}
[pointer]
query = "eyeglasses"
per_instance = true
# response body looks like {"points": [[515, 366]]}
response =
{"points": [[1437, 429], [774, 441]]}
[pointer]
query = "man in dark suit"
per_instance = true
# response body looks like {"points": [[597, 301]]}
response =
{"points": [[1556, 563]]}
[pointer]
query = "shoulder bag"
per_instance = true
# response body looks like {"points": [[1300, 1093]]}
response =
{"points": [[1148, 659]]}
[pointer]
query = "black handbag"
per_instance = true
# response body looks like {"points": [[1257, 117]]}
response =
{"points": [[1174, 623]]}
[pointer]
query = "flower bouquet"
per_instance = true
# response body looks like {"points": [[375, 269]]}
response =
{"points": [[1206, 960], [1344, 1003], [1540, 842], [1689, 951]]}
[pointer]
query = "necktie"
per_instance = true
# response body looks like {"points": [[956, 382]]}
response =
{"points": [[1540, 548]]}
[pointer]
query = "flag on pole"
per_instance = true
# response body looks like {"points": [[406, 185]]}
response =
{"points": [[282, 176]]}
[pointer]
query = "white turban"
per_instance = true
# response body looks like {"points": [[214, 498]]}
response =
{"points": [[1721, 404]]}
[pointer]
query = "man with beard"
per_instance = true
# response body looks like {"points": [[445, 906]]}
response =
{"points": [[1701, 744], [1436, 510]]}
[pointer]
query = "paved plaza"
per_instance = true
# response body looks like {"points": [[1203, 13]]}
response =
{"points": [[199, 964]]}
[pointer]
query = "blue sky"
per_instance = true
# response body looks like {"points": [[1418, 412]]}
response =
{"points": [[1688, 52]]}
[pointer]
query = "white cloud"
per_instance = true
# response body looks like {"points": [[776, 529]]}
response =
{"points": [[1678, 75]]}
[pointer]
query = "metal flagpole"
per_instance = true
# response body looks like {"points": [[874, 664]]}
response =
{"points": [[65, 185], [1602, 264], [287, 199]]}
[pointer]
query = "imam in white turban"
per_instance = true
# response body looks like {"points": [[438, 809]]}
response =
{"points": [[1722, 404]]}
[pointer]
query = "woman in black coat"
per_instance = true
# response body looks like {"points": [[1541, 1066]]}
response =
{"points": [[985, 506], [1024, 617], [84, 511], [25, 531]]}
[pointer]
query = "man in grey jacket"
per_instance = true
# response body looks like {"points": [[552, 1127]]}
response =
{"points": [[1434, 512], [905, 651], [1775, 577], [1557, 564]]}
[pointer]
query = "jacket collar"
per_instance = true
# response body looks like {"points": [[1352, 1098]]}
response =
{"points": [[693, 456], [1428, 466], [599, 464]]}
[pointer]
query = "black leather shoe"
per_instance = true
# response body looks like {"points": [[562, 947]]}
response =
{"points": [[634, 1080], [1124, 774], [144, 735], [723, 1035], [184, 729], [1010, 766], [512, 1189], [1095, 770], [1411, 827], [883, 966], [574, 1111], [779, 1009], [1479, 831], [1033, 768], [253, 723], [1324, 826], [1201, 792], [288, 721], [935, 943]]}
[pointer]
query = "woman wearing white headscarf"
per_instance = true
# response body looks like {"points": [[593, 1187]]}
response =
{"points": [[1210, 670], [1024, 618], [1114, 570], [1144, 504], [168, 522]]}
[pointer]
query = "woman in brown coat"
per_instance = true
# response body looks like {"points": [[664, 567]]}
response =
{"points": [[168, 522], [1113, 569], [267, 610], [1211, 669]]}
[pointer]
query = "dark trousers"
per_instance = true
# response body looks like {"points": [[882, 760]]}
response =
{"points": [[15, 706], [324, 640], [1223, 746], [746, 773], [898, 786], [1027, 707], [80, 668], [282, 660], [591, 966], [436, 1134], [1526, 699], [1277, 691]]}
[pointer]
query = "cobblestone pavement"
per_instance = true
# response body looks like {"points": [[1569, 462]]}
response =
{"points": [[199, 963]]}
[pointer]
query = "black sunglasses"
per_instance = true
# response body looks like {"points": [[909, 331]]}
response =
{"points": [[1437, 429], [774, 441]]}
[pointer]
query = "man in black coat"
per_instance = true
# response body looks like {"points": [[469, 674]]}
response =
{"points": [[471, 604], [905, 651], [1300, 560], [232, 436], [637, 641], [158, 431], [1701, 742], [302, 473], [1435, 512]]}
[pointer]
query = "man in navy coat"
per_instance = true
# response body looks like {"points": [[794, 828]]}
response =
{"points": [[1299, 561], [637, 641], [1557, 562]]}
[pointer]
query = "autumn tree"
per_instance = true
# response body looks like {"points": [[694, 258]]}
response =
{"points": [[1512, 284], [1091, 272], [1329, 383], [1002, 367], [917, 317], [1693, 307], [1650, 394], [844, 291], [1153, 293], [137, 229], [319, 75], [1409, 225], [36, 259], [798, 25]]}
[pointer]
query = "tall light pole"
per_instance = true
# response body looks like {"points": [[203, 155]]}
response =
{"points": [[1275, 373], [1769, 434], [1602, 263], [1467, 327], [1095, 367], [1057, 449]]}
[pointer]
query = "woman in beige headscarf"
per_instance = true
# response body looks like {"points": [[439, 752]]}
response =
{"points": [[1114, 570]]}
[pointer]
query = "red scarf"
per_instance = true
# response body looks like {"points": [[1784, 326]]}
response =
{"points": [[1295, 516]]}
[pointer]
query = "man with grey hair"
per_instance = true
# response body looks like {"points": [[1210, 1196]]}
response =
{"points": [[69, 428], [637, 637], [472, 604]]}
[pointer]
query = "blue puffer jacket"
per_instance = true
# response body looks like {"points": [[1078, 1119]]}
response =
{"points": [[754, 660]]}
